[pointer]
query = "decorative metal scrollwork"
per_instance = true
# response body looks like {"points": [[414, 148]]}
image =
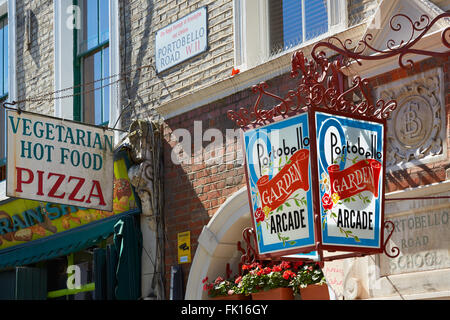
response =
{"points": [[389, 225], [249, 255], [400, 23]]}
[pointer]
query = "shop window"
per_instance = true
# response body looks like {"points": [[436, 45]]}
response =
{"points": [[3, 91], [92, 64], [267, 28]]}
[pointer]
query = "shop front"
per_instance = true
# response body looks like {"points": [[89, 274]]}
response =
{"points": [[59, 251]]}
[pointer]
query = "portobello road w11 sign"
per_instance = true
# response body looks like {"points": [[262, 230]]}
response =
{"points": [[59, 161], [280, 186]]}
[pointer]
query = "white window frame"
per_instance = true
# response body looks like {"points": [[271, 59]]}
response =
{"points": [[251, 25], [64, 59]]}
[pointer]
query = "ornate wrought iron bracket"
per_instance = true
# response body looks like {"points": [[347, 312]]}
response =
{"points": [[249, 255], [394, 250], [402, 47]]}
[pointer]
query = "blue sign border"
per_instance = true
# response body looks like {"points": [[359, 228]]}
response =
{"points": [[322, 122], [250, 137]]}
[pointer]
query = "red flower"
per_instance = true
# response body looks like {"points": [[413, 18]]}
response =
{"points": [[288, 274], [297, 265], [219, 280], [235, 71], [327, 202], [238, 279], [267, 270], [204, 280], [277, 269], [259, 215], [285, 265]]}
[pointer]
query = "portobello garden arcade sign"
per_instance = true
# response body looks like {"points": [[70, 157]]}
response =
{"points": [[280, 186], [315, 161]]}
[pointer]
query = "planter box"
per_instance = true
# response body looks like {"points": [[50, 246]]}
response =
{"points": [[315, 292], [274, 294]]}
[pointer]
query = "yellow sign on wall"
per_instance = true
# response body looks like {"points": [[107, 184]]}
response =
{"points": [[184, 247]]}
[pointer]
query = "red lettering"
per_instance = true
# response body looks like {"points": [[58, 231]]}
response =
{"points": [[40, 183], [99, 195], [20, 180], [77, 188], [55, 187]]}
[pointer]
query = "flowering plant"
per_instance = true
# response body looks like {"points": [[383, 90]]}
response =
{"points": [[257, 277], [307, 274], [220, 287]]}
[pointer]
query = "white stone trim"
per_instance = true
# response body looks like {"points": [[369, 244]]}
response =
{"points": [[12, 38], [63, 59], [277, 66], [212, 243]]}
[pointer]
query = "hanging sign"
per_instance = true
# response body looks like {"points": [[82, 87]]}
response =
{"points": [[181, 40], [350, 160], [279, 185], [59, 161], [24, 221]]}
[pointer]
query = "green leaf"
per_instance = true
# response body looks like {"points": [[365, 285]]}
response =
{"points": [[357, 239], [296, 202], [292, 242], [287, 204]]}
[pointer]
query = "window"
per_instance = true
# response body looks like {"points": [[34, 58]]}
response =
{"points": [[92, 64], [267, 28], [3, 90]]}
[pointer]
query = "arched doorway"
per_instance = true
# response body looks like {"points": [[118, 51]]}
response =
{"points": [[217, 244]]}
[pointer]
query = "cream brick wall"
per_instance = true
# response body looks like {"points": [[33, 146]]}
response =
{"points": [[35, 64]]}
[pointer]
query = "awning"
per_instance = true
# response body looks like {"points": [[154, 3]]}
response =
{"points": [[61, 244]]}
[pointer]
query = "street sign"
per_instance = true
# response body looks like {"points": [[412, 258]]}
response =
{"points": [[181, 40], [59, 161], [279, 185]]}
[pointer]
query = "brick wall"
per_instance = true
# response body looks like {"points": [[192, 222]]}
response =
{"points": [[35, 63], [194, 192]]}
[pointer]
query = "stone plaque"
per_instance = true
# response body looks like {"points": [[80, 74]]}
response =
{"points": [[416, 129], [423, 239]]}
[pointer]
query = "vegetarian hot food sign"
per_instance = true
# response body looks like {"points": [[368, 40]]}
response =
{"points": [[350, 167], [53, 160], [279, 182]]}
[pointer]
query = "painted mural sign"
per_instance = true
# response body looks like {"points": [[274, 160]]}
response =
{"points": [[23, 221], [279, 184], [59, 161], [350, 172], [181, 40]]}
